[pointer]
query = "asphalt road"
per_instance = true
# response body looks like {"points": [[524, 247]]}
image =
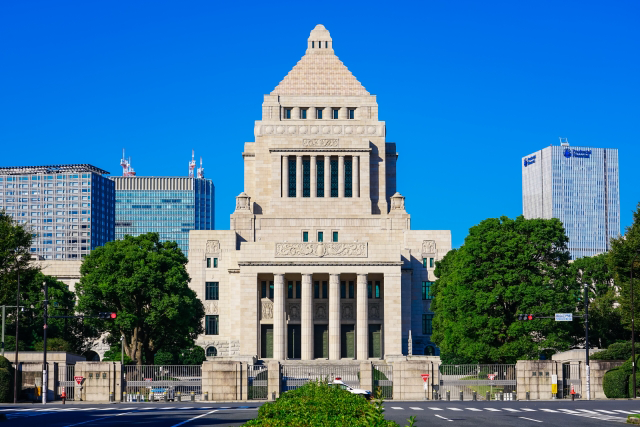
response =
{"points": [[429, 413]]}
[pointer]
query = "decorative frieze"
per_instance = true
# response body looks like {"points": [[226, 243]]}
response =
{"points": [[212, 307], [320, 142], [318, 250], [267, 309], [320, 311], [372, 130], [428, 246], [374, 311], [213, 247], [346, 309], [293, 310]]}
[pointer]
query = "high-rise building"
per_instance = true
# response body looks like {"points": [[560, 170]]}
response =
{"points": [[170, 206], [70, 208], [580, 187]]}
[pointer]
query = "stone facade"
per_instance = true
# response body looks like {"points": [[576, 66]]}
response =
{"points": [[320, 261]]}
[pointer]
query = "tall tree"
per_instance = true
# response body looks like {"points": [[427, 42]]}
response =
{"points": [[146, 283], [505, 267], [15, 240]]}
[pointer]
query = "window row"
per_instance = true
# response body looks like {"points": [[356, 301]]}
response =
{"points": [[214, 263], [320, 290], [426, 290], [319, 112], [427, 324], [333, 190], [430, 262], [320, 236]]}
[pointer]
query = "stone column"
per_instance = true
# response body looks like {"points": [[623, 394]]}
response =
{"points": [[341, 177], [355, 176], [278, 317], [306, 318], [327, 176], [285, 176], [298, 176], [334, 317], [362, 318], [392, 334], [313, 175]]}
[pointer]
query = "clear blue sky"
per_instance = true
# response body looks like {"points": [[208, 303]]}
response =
{"points": [[466, 88]]}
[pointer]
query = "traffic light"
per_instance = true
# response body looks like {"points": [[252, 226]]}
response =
{"points": [[107, 315], [526, 316]]}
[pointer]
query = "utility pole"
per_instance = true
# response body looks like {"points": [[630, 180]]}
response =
{"points": [[3, 317], [122, 350], [44, 363], [15, 371], [633, 331], [586, 337]]}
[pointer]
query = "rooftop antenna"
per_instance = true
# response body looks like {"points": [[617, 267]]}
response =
{"points": [[127, 170], [200, 169], [564, 141], [192, 164]]}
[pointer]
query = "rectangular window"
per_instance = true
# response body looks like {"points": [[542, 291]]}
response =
{"points": [[292, 177], [431, 262], [215, 263], [208, 262], [324, 290], [426, 290], [377, 289], [316, 290], [298, 289], [303, 113], [334, 178], [306, 178], [271, 290], [351, 290], [290, 289], [427, 328], [305, 236], [335, 113], [424, 262], [211, 325], [318, 113], [320, 177], [352, 113], [369, 290], [287, 113], [264, 289], [211, 291], [348, 177], [335, 236], [320, 236], [343, 290]]}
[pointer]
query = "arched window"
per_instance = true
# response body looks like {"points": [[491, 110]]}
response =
{"points": [[212, 351], [429, 351]]}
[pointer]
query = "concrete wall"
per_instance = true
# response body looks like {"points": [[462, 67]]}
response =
{"points": [[534, 376], [598, 368], [407, 377], [100, 379], [224, 380]]}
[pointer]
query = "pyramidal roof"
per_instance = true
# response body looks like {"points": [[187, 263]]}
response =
{"points": [[320, 72]]}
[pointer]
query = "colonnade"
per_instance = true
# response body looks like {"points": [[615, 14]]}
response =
{"points": [[313, 175]]}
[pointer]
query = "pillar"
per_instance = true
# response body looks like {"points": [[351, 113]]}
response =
{"points": [[341, 177], [278, 317], [392, 335], [298, 176], [334, 317], [327, 176], [306, 318], [313, 175], [285, 176], [362, 318], [355, 174]]}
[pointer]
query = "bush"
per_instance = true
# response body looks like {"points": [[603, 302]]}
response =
{"points": [[6, 385], [318, 404], [53, 344], [616, 351], [5, 363], [164, 358], [615, 383], [114, 355]]}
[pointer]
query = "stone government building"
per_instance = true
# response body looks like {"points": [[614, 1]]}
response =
{"points": [[320, 261]]}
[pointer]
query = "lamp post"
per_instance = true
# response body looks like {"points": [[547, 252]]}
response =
{"points": [[15, 371], [633, 329]]}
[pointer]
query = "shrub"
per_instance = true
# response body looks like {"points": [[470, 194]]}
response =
{"points": [[615, 383], [616, 351], [5, 363], [53, 344], [6, 385], [318, 404]]}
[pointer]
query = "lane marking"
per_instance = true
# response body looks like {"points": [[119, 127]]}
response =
{"points": [[195, 418], [443, 417], [624, 412], [396, 407], [530, 419], [492, 409], [473, 409], [415, 408], [528, 409], [455, 409], [548, 410], [606, 412], [435, 409], [98, 419], [511, 410]]}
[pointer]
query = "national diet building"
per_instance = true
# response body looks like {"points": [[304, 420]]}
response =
{"points": [[320, 261]]}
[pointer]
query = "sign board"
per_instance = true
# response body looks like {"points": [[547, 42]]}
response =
{"points": [[554, 384], [148, 379], [425, 377], [491, 377], [78, 380], [564, 317]]}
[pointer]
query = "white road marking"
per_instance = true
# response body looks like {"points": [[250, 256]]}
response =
{"points": [[416, 409], [396, 407], [492, 409], [195, 418], [624, 412], [548, 410], [528, 409], [443, 417], [187, 407], [167, 407], [455, 409], [435, 409], [606, 412], [473, 409], [98, 419], [530, 419], [511, 409]]}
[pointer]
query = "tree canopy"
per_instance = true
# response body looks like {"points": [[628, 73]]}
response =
{"points": [[146, 283], [505, 267]]}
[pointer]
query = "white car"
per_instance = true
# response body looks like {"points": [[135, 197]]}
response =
{"points": [[364, 393]]}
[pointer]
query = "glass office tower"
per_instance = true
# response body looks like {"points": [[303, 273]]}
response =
{"points": [[70, 208], [169, 206], [579, 186]]}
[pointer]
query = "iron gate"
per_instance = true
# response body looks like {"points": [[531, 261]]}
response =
{"points": [[257, 376], [383, 381], [295, 376], [150, 382], [470, 378], [66, 382], [571, 378]]}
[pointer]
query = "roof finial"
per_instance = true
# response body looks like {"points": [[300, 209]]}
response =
{"points": [[319, 41]]}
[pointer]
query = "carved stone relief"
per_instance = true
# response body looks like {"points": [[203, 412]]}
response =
{"points": [[293, 311], [212, 307], [374, 311], [213, 247], [243, 202], [320, 142], [341, 250], [320, 311], [428, 246], [346, 309], [267, 309]]}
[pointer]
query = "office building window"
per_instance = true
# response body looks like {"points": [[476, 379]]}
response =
{"points": [[431, 262], [377, 289], [348, 177], [290, 289], [335, 113], [352, 113], [426, 290], [324, 290], [306, 178], [264, 289], [427, 327], [369, 290], [319, 113], [351, 290], [320, 236], [334, 178], [215, 263], [298, 289], [211, 291], [343, 290], [424, 262], [303, 113], [320, 177], [335, 236], [211, 325], [305, 236], [208, 262], [271, 290], [287, 113], [292, 177], [316, 290]]}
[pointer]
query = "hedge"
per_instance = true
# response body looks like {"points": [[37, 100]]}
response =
{"points": [[318, 404], [615, 383], [6, 386], [616, 351]]}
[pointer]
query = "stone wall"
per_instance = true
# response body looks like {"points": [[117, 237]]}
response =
{"points": [[100, 380], [224, 380], [534, 376], [598, 368], [407, 377]]}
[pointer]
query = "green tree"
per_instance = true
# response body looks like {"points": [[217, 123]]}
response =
{"points": [[114, 354], [505, 267], [145, 281]]}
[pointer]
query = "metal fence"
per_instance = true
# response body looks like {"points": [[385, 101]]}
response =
{"points": [[571, 380], [476, 378], [295, 376], [66, 382], [383, 381], [150, 382], [257, 377]]}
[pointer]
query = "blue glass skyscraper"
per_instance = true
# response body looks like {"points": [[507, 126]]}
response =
{"points": [[169, 206], [579, 186]]}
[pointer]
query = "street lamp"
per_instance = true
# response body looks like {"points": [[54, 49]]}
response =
{"points": [[15, 371], [633, 329]]}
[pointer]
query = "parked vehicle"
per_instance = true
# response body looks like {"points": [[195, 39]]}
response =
{"points": [[157, 393], [364, 393]]}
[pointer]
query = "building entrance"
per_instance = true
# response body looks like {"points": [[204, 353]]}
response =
{"points": [[375, 341], [293, 342], [348, 342], [321, 341], [266, 341]]}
